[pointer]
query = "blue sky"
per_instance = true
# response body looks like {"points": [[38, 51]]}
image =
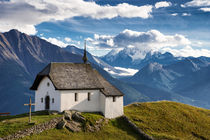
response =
{"points": [[181, 27]]}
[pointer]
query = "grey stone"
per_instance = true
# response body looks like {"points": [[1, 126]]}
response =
{"points": [[61, 124], [67, 115], [72, 127], [78, 117]]}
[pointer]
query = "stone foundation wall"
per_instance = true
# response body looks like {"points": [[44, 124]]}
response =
{"points": [[34, 129], [137, 129]]}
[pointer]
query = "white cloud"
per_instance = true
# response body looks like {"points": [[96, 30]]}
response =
{"points": [[25, 14], [137, 44], [55, 41], [206, 9], [174, 14], [182, 5], [162, 4], [67, 39], [148, 39], [197, 3], [188, 51], [186, 14]]}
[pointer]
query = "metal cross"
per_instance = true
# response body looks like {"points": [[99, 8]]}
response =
{"points": [[30, 104]]}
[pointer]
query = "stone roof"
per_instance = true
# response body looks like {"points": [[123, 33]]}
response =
{"points": [[109, 89], [73, 76]]}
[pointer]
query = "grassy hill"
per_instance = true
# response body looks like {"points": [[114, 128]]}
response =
{"points": [[115, 129], [12, 124], [170, 120], [162, 120]]}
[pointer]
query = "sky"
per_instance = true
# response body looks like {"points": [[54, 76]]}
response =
{"points": [[181, 27]]}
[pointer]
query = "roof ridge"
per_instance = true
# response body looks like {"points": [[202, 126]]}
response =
{"points": [[45, 68], [105, 90], [68, 63]]}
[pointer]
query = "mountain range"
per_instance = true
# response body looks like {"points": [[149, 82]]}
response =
{"points": [[170, 77], [159, 76]]}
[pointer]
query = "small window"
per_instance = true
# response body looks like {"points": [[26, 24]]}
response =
{"points": [[114, 99], [53, 100], [48, 84], [89, 96], [41, 100], [76, 96]]}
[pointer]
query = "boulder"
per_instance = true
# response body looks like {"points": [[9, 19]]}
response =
{"points": [[61, 124], [67, 115], [73, 127], [78, 117]]}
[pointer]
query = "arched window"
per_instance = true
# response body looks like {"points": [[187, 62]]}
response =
{"points": [[41, 100], [53, 100], [47, 102], [48, 84]]}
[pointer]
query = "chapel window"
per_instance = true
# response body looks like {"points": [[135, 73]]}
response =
{"points": [[76, 97], [89, 96], [41, 100], [53, 100], [48, 84], [114, 99]]}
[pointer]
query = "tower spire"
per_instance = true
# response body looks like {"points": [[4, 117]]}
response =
{"points": [[85, 54]]}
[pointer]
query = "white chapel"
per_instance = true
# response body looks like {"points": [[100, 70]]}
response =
{"points": [[76, 86]]}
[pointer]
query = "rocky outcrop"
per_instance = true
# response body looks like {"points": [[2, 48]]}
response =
{"points": [[61, 124], [74, 126], [78, 117], [75, 122], [72, 120]]}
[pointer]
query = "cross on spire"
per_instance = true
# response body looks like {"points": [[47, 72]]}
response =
{"points": [[85, 54], [30, 104]]}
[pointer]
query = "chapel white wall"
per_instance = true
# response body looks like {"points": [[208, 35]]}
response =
{"points": [[65, 100], [44, 90], [82, 104], [113, 109]]}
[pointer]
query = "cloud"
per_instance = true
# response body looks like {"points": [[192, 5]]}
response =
{"points": [[207, 9], [186, 14], [137, 44], [162, 4], [25, 14], [174, 14], [147, 39], [67, 39], [188, 51], [55, 41], [197, 3]]}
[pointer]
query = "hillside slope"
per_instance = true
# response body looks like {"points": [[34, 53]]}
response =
{"points": [[110, 129], [162, 120], [170, 120]]}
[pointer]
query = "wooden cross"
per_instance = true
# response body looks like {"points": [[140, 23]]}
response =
{"points": [[30, 104]]}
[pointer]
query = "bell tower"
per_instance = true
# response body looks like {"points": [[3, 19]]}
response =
{"points": [[85, 59]]}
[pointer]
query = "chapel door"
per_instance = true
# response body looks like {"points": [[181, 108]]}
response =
{"points": [[47, 102]]}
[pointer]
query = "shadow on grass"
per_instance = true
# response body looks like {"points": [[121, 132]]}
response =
{"points": [[121, 124]]}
